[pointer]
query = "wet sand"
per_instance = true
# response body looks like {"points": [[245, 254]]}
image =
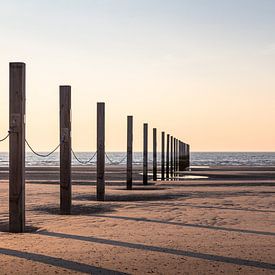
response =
{"points": [[221, 224]]}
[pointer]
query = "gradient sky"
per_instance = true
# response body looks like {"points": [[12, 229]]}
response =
{"points": [[202, 70]]}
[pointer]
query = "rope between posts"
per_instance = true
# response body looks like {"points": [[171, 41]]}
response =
{"points": [[41, 155], [115, 162], [81, 161], [3, 139]]}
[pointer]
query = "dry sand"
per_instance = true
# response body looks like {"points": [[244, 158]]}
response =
{"points": [[224, 224]]}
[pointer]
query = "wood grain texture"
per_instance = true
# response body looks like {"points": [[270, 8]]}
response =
{"points": [[171, 155], [129, 180], [100, 190], [145, 153], [65, 150], [17, 148], [154, 154], [162, 155], [167, 156]]}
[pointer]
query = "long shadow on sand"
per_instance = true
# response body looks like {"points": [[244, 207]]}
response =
{"points": [[169, 196], [190, 225], [4, 227], [58, 262], [214, 207], [128, 197], [197, 255], [78, 209], [238, 183]]}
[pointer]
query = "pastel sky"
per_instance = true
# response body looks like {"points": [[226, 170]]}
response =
{"points": [[201, 70]]}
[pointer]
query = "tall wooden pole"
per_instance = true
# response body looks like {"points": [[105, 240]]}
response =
{"points": [[188, 155], [167, 156], [129, 152], [184, 156], [145, 153], [181, 156], [171, 156], [154, 154], [17, 148], [65, 149], [175, 154], [178, 155], [100, 151], [162, 154]]}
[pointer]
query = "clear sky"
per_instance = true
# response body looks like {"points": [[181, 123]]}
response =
{"points": [[201, 70]]}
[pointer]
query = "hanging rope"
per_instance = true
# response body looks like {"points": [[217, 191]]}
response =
{"points": [[85, 161], [41, 155], [3, 139], [115, 162]]}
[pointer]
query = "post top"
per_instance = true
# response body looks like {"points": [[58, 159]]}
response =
{"points": [[17, 64], [65, 86]]}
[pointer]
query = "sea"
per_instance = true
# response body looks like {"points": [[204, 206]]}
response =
{"points": [[119, 158]]}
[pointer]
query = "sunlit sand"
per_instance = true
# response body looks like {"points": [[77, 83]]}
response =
{"points": [[215, 225]]}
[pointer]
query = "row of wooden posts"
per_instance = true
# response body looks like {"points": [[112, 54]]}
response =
{"points": [[178, 160]]}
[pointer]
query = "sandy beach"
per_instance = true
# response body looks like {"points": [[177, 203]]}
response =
{"points": [[224, 223]]}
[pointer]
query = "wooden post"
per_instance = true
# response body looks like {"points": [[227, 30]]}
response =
{"points": [[154, 154], [100, 151], [178, 154], [179, 148], [171, 157], [167, 156], [184, 156], [17, 148], [65, 149], [162, 154], [145, 153], [188, 156], [174, 155], [181, 156], [129, 152]]}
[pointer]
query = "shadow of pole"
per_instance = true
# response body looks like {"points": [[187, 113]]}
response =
{"points": [[197, 255], [190, 225], [58, 262], [214, 207]]}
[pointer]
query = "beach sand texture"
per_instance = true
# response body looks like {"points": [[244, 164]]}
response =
{"points": [[221, 224]]}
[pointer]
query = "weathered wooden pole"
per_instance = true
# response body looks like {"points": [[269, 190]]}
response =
{"points": [[181, 157], [171, 156], [167, 156], [178, 155], [179, 148], [17, 147], [65, 149], [129, 152], [185, 155], [188, 156], [162, 154], [154, 154], [100, 151], [145, 153], [174, 155]]}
